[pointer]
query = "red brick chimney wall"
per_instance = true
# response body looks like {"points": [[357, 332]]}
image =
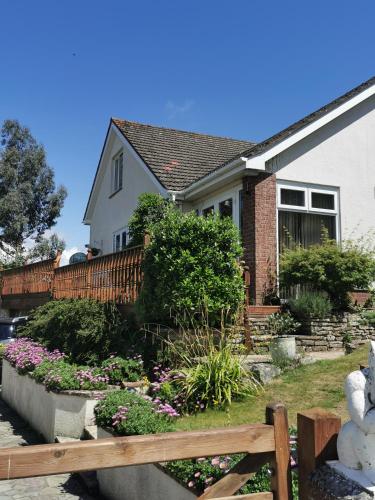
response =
{"points": [[259, 233]]}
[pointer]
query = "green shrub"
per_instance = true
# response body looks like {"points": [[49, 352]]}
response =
{"points": [[282, 324], [330, 267], [216, 380], [128, 413], [119, 369], [368, 317], [311, 305], [190, 267], [86, 330], [151, 208]]}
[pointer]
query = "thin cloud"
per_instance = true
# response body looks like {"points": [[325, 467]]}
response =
{"points": [[174, 109]]}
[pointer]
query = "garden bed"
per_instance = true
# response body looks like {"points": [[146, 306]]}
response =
{"points": [[64, 413], [142, 481]]}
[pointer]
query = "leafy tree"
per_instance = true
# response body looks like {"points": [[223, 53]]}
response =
{"points": [[330, 267], [46, 248], [29, 200], [191, 269], [151, 208]]}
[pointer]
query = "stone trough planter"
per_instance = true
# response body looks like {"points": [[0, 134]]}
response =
{"points": [[139, 481], [52, 414]]}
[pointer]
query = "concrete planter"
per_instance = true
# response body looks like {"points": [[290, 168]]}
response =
{"points": [[283, 348], [52, 414], [139, 481]]}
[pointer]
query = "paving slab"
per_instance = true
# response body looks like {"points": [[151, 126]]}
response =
{"points": [[15, 432]]}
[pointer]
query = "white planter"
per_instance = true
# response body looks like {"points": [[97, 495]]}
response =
{"points": [[139, 482], [52, 414], [283, 348]]}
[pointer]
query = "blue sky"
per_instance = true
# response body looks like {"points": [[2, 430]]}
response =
{"points": [[243, 69]]}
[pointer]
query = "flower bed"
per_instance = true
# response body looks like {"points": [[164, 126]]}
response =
{"points": [[54, 396]]}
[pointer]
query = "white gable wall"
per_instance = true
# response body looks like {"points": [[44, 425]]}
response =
{"points": [[111, 213], [341, 154]]}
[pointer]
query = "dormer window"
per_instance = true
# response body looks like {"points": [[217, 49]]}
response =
{"points": [[117, 172]]}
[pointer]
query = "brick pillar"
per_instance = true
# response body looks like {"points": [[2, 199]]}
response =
{"points": [[259, 233]]}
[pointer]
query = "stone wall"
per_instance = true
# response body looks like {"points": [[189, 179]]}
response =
{"points": [[317, 335]]}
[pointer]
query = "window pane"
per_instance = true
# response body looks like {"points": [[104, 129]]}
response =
{"points": [[208, 211], [120, 169], [226, 208], [292, 197], [115, 185], [240, 211], [323, 200], [117, 242], [123, 240], [304, 229]]}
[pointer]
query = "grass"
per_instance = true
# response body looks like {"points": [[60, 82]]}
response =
{"points": [[317, 385]]}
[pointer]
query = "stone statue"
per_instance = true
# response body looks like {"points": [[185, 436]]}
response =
{"points": [[356, 440]]}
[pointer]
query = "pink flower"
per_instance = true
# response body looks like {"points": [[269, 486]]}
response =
{"points": [[215, 461], [191, 484]]}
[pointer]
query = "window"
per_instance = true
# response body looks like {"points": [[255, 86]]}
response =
{"points": [[240, 211], [226, 208], [208, 211], [304, 212], [119, 240], [117, 172], [292, 197], [322, 201]]}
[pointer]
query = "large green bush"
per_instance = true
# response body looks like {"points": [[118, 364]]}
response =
{"points": [[311, 305], [151, 208], [330, 267], [191, 266], [86, 330]]}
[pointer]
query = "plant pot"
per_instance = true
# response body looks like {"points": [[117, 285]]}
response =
{"points": [[283, 348]]}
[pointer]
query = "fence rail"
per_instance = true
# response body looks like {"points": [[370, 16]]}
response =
{"points": [[261, 442], [114, 277]]}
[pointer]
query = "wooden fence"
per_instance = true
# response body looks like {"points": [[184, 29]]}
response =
{"points": [[34, 278], [262, 443], [116, 277]]}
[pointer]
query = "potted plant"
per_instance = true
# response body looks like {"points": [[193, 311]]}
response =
{"points": [[282, 326]]}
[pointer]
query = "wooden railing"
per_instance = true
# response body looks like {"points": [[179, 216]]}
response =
{"points": [[114, 277], [262, 443], [33, 278]]}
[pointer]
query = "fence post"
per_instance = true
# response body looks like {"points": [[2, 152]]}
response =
{"points": [[281, 481], [317, 431]]}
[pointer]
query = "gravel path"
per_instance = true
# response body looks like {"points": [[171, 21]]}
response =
{"points": [[15, 432]]}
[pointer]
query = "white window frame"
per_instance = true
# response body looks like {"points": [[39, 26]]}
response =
{"points": [[115, 179], [323, 210], [298, 208], [119, 232]]}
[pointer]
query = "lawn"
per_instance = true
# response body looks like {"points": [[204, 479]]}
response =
{"points": [[317, 385]]}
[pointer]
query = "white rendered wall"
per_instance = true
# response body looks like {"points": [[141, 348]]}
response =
{"points": [[341, 154], [112, 213]]}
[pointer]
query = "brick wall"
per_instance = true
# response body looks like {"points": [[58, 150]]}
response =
{"points": [[259, 233]]}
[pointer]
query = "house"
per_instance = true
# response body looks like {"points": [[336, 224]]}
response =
{"points": [[319, 171]]}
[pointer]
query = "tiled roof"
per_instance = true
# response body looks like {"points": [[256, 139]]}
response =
{"points": [[178, 158]]}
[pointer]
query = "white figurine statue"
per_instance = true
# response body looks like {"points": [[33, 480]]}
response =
{"points": [[356, 440]]}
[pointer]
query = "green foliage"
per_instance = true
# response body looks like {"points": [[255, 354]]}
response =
{"points": [[216, 380], [29, 201], [311, 305], [46, 248], [140, 416], [368, 317], [191, 266], [329, 267], [57, 375], [151, 208], [86, 330], [118, 369], [282, 324]]}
